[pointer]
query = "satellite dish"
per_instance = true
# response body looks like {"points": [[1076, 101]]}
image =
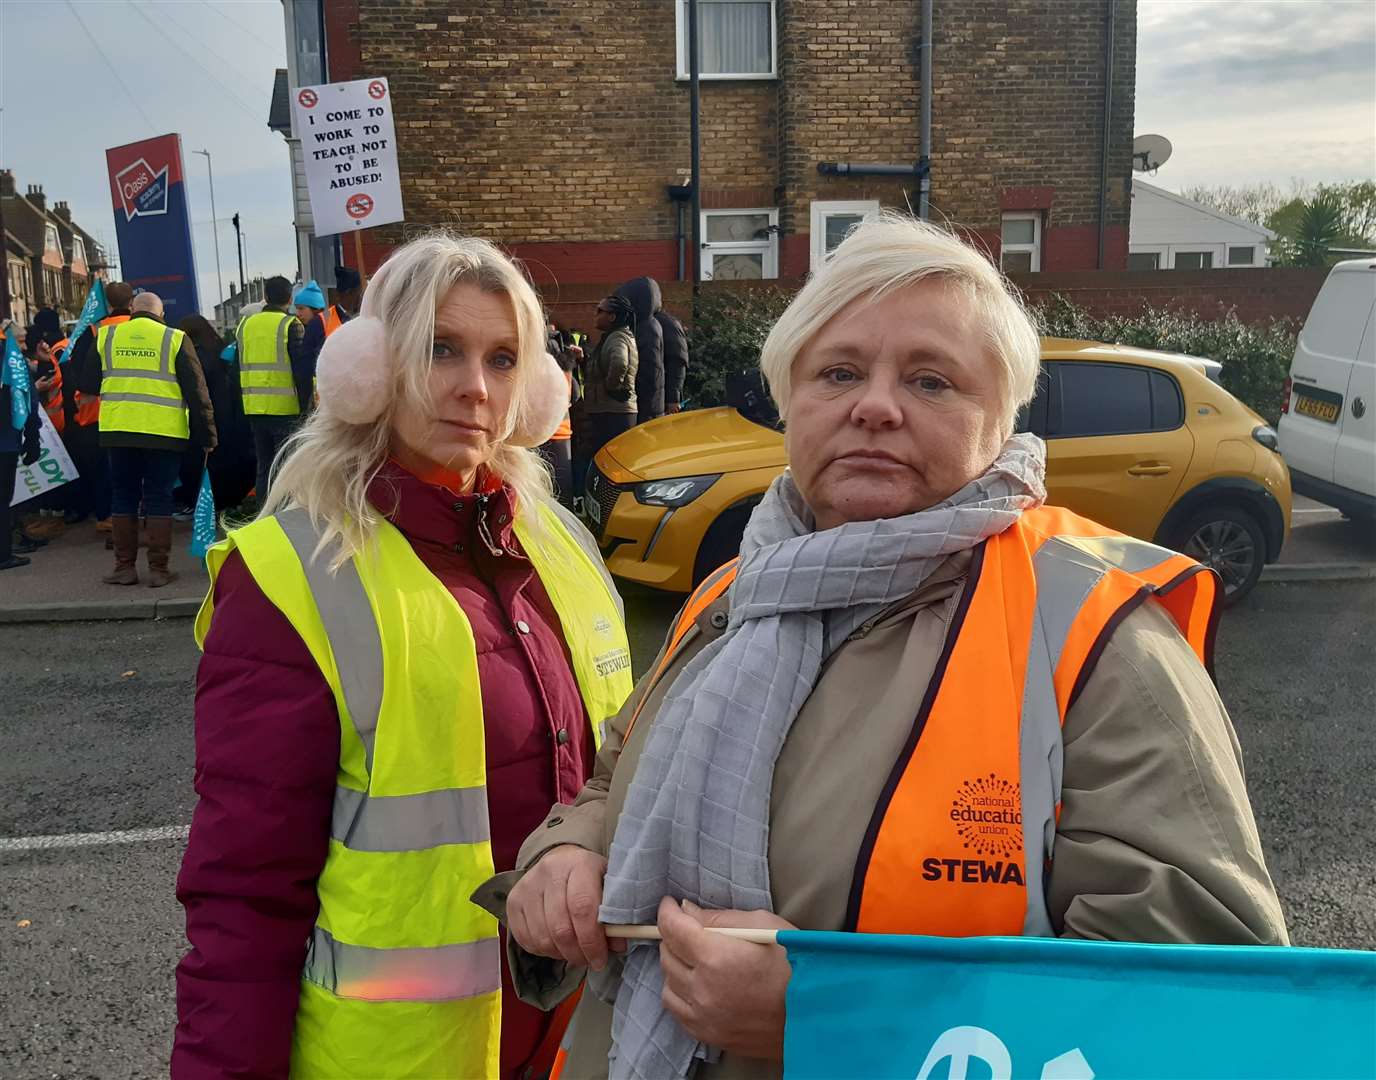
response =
{"points": [[1150, 152]]}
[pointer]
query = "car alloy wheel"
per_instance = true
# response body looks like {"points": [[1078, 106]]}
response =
{"points": [[1228, 548]]}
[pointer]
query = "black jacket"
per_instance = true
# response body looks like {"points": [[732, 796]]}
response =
{"points": [[644, 295], [675, 356]]}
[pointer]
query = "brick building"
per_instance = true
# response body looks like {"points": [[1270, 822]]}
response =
{"points": [[60, 257], [557, 127]]}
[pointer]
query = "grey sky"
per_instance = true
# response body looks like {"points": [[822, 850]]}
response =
{"points": [[1246, 90], [201, 69], [1250, 90]]}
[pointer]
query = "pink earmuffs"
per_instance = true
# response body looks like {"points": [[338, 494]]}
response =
{"points": [[353, 372]]}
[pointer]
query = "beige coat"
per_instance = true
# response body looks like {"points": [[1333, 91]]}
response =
{"points": [[1156, 840]]}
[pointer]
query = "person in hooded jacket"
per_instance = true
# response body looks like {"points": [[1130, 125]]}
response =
{"points": [[644, 296], [675, 360]]}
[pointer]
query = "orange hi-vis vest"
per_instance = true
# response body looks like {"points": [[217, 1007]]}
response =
{"points": [[330, 317], [88, 405], [960, 842]]}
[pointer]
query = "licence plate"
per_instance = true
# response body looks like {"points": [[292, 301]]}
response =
{"points": [[1327, 411]]}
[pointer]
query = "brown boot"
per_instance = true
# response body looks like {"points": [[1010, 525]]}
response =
{"points": [[159, 548], [125, 533]]}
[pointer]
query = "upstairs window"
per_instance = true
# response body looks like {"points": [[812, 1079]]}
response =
{"points": [[736, 39]]}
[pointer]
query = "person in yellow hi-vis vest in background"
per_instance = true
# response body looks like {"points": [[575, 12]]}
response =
{"points": [[153, 405], [273, 378], [409, 657]]}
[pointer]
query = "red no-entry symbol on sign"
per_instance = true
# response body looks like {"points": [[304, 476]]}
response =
{"points": [[359, 206], [376, 90], [307, 98]]}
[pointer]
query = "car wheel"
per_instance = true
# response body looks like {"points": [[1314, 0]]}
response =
{"points": [[1229, 540], [722, 541]]}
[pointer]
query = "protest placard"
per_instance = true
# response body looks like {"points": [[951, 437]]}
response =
{"points": [[52, 469], [349, 148]]}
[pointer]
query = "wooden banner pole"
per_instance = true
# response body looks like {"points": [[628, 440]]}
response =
{"points": [[358, 254]]}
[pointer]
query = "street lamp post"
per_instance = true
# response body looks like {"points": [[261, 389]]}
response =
{"points": [[214, 224]]}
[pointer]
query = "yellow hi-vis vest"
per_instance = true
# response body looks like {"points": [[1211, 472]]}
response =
{"points": [[265, 380], [403, 972], [138, 379]]}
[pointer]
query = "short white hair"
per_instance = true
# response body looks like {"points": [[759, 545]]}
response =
{"points": [[891, 251]]}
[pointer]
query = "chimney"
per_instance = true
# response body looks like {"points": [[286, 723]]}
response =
{"points": [[62, 210], [6, 182], [37, 198]]}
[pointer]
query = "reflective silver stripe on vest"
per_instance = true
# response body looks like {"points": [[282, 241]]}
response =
{"points": [[363, 822], [349, 624], [135, 373], [144, 399], [1067, 570], [270, 391], [443, 973]]}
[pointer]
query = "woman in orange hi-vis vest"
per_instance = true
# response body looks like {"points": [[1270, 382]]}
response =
{"points": [[920, 702]]}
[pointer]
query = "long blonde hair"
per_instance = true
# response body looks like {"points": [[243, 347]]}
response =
{"points": [[327, 466]]}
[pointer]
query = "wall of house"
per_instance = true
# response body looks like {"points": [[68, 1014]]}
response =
{"points": [[555, 127], [1165, 225]]}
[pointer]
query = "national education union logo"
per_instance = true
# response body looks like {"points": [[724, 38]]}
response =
{"points": [[987, 812]]}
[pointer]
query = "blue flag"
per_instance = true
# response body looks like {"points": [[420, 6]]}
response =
{"points": [[996, 1008], [203, 534], [15, 375], [95, 309]]}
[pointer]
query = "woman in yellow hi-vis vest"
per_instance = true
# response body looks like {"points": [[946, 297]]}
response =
{"points": [[408, 657]]}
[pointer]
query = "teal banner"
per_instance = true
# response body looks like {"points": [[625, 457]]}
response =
{"points": [[92, 311], [1002, 1008]]}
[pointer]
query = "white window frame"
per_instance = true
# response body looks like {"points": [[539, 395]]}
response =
{"points": [[1203, 249], [823, 209], [1159, 250], [1035, 247], [768, 247], [78, 250], [681, 37], [1228, 255], [51, 240]]}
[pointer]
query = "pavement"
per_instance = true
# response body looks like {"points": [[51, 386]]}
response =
{"points": [[62, 581], [97, 782], [1322, 547]]}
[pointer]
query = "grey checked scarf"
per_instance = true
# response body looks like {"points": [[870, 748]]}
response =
{"points": [[696, 820]]}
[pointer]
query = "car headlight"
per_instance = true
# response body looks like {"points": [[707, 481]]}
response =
{"points": [[1266, 435], [677, 492]]}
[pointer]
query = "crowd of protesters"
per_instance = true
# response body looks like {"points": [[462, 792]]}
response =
{"points": [[633, 372], [136, 470], [243, 401]]}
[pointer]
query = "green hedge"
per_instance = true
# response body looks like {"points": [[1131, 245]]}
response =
{"points": [[731, 327], [726, 337], [1255, 358]]}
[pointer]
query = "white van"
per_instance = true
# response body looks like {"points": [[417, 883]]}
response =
{"points": [[1328, 417]]}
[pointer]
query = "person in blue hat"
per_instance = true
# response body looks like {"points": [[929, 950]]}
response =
{"points": [[309, 301]]}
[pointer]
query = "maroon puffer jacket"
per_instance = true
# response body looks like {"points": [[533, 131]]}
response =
{"points": [[267, 750]]}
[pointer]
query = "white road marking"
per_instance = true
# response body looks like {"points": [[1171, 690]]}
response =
{"points": [[94, 839]]}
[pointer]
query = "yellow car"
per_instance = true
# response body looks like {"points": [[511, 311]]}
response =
{"points": [[1145, 442]]}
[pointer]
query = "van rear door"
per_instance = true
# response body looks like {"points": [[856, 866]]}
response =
{"points": [[1322, 369], [1355, 465]]}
